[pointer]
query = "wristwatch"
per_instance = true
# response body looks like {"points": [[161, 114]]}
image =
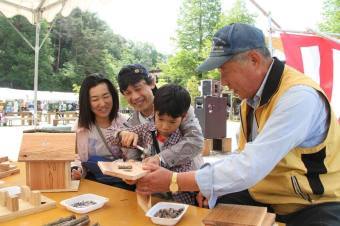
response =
{"points": [[173, 185]]}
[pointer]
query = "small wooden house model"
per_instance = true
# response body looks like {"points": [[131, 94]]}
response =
{"points": [[47, 157]]}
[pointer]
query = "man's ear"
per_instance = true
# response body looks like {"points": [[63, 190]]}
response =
{"points": [[255, 57]]}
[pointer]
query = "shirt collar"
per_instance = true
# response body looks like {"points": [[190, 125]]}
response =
{"points": [[255, 101]]}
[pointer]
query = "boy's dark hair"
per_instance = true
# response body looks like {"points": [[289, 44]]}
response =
{"points": [[172, 100], [86, 116], [131, 74]]}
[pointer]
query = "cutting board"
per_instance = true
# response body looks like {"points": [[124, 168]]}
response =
{"points": [[112, 169], [238, 215]]}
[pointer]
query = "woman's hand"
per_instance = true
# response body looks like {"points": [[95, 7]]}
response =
{"points": [[76, 174]]}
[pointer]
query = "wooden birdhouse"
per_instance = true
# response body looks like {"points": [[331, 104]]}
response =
{"points": [[47, 157]]}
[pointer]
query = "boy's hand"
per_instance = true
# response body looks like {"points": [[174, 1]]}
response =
{"points": [[76, 174], [128, 139], [201, 200], [153, 160]]}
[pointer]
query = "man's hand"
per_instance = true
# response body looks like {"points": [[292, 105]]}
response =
{"points": [[128, 139], [152, 160], [157, 180]]}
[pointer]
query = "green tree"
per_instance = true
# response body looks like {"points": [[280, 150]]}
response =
{"points": [[331, 16], [237, 14], [17, 58], [197, 22]]}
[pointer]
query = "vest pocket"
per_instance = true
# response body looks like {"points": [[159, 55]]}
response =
{"points": [[298, 190]]}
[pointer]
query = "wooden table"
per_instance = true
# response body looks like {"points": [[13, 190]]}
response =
{"points": [[122, 208]]}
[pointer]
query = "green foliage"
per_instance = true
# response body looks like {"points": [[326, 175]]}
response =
{"points": [[331, 16], [17, 58], [78, 45], [192, 87], [197, 22], [237, 14]]}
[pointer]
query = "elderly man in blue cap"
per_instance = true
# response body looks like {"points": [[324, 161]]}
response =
{"points": [[289, 140]]}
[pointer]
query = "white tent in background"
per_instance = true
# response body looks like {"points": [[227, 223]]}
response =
{"points": [[28, 95], [35, 11]]}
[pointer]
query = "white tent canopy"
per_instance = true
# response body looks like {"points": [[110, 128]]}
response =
{"points": [[36, 11], [28, 95]]}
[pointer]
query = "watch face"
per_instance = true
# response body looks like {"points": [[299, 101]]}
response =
{"points": [[173, 187]]}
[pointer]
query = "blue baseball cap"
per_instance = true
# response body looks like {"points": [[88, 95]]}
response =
{"points": [[229, 41]]}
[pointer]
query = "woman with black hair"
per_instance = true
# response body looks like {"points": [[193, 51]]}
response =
{"points": [[98, 110]]}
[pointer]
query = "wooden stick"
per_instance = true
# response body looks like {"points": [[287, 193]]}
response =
{"points": [[76, 221], [3, 198], [61, 220], [12, 203], [35, 198]]}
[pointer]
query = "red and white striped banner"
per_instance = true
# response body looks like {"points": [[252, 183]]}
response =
{"points": [[318, 58]]}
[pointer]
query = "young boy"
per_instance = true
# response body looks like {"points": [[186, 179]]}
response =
{"points": [[171, 104]]}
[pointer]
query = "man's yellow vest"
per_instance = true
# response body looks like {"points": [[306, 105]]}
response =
{"points": [[304, 176]]}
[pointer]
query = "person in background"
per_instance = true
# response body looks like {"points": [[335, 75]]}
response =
{"points": [[289, 139], [98, 110], [138, 88], [171, 104]]}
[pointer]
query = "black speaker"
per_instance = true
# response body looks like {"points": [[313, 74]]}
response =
{"points": [[211, 112], [210, 87]]}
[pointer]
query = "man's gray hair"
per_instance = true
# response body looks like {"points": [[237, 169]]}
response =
{"points": [[243, 55]]}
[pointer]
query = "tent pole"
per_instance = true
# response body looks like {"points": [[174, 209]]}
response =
{"points": [[270, 42], [36, 67]]}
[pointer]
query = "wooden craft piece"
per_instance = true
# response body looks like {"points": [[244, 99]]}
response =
{"points": [[9, 172], [15, 206], [25, 193], [35, 198], [47, 157], [3, 198], [144, 202], [12, 203], [112, 169], [3, 158], [236, 215]]}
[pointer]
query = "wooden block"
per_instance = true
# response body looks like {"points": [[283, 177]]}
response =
{"points": [[269, 219], [12, 203], [207, 147], [3, 198], [25, 193], [35, 198], [25, 208], [226, 145], [144, 201], [9, 172], [3, 158], [67, 177], [112, 169], [235, 215], [7, 165]]}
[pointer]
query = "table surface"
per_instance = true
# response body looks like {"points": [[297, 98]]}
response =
{"points": [[122, 208]]}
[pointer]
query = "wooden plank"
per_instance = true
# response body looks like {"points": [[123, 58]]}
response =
{"points": [[25, 208], [207, 147], [7, 165], [46, 175], [47, 146], [269, 219], [3, 158], [8, 173], [235, 215], [67, 177], [111, 169], [74, 187]]}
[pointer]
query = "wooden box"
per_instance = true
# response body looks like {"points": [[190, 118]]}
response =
{"points": [[239, 215], [48, 157]]}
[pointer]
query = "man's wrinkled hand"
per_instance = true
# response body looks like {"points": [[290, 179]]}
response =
{"points": [[157, 180]]}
